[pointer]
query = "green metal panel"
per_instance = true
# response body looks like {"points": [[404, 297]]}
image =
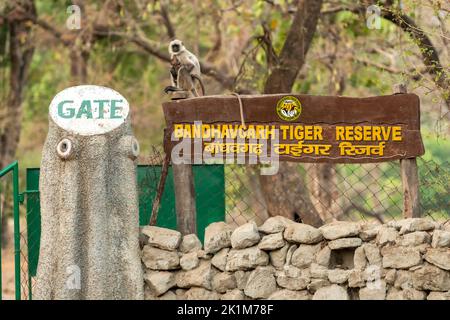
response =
{"points": [[148, 177], [209, 181], [33, 219]]}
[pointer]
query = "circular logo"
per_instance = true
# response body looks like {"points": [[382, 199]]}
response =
{"points": [[289, 108], [89, 110]]}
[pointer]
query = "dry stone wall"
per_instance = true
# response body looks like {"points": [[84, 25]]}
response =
{"points": [[402, 260]]}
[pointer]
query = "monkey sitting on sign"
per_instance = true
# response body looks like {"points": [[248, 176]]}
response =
{"points": [[185, 72]]}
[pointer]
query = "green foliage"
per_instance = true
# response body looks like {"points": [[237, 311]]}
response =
{"points": [[434, 188], [436, 147], [48, 74], [343, 46]]}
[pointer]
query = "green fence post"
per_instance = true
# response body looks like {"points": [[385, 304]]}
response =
{"points": [[16, 230], [14, 167], [1, 235]]}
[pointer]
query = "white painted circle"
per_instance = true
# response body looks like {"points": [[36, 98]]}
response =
{"points": [[135, 149], [89, 110], [64, 148]]}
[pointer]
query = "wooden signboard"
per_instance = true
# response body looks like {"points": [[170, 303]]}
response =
{"points": [[299, 128]]}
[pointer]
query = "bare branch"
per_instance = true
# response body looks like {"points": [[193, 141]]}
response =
{"points": [[207, 69], [167, 22], [429, 53], [355, 207]]}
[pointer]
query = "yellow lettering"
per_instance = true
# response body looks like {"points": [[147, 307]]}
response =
{"points": [[385, 132], [206, 131], [284, 130], [358, 133], [318, 133], [397, 133], [178, 131], [376, 134], [349, 133], [340, 133]]}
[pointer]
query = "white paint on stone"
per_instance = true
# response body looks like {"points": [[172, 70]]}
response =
{"points": [[89, 110]]}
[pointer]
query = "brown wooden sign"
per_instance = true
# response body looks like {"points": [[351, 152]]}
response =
{"points": [[300, 128]]}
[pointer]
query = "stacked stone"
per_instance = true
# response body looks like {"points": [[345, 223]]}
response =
{"points": [[406, 259]]}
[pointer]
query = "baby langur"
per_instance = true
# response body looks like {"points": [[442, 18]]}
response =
{"points": [[185, 70]]}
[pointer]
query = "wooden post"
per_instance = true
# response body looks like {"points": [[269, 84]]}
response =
{"points": [[183, 179], [160, 190], [410, 177]]}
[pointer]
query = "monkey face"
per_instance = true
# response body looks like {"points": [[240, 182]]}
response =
{"points": [[175, 46]]}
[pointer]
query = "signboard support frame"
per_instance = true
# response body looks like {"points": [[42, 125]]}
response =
{"points": [[183, 179], [410, 177]]}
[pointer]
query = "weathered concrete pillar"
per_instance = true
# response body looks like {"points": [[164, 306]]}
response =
{"points": [[89, 201]]}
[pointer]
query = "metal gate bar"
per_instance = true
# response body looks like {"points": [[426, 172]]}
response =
{"points": [[14, 168]]}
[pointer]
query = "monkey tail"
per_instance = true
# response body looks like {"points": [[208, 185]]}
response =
{"points": [[194, 76]]}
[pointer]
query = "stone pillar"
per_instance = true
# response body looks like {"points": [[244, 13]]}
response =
{"points": [[89, 200]]}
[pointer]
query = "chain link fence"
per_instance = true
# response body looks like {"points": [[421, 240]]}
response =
{"points": [[344, 191], [355, 192]]}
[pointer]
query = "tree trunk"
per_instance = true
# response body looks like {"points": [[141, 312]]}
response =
{"points": [[21, 51], [78, 65], [79, 53], [285, 193], [322, 180], [323, 191]]}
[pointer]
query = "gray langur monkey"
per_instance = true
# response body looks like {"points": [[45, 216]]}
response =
{"points": [[185, 70]]}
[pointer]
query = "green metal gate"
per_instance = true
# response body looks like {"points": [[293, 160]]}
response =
{"points": [[12, 169], [210, 208]]}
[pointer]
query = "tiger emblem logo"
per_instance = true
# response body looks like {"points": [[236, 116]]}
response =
{"points": [[289, 108]]}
